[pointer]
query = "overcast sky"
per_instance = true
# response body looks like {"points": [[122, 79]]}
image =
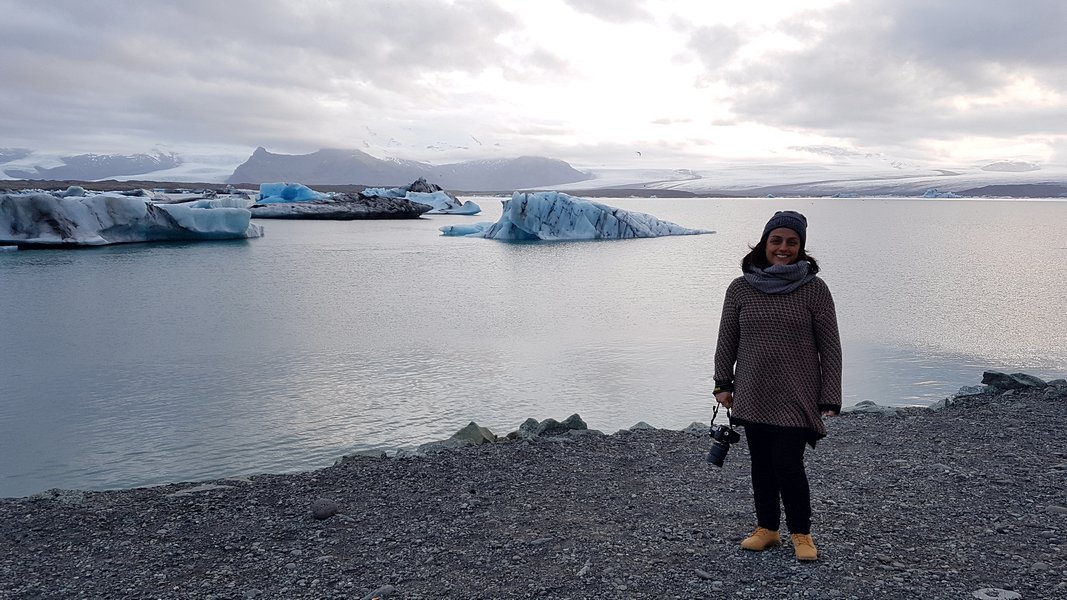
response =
{"points": [[680, 83]]}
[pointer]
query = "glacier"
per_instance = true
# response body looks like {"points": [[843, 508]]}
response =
{"points": [[559, 216], [40, 219]]}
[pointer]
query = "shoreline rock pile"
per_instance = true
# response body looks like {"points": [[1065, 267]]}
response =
{"points": [[969, 500]]}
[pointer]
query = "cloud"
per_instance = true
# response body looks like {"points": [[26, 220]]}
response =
{"points": [[885, 72], [565, 78], [615, 11], [237, 70], [715, 45]]}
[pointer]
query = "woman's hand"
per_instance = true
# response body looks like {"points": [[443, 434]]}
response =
{"points": [[830, 413], [725, 398]]}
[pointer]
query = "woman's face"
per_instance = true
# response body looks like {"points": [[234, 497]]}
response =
{"points": [[783, 246]]}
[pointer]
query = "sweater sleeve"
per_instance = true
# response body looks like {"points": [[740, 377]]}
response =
{"points": [[729, 336], [828, 340]]}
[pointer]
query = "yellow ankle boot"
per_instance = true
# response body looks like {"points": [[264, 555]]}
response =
{"points": [[804, 547], [761, 539]]}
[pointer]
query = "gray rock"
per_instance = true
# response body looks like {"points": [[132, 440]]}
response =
{"points": [[435, 447], [1056, 510], [531, 428], [1015, 381], [697, 428], [1054, 393], [360, 454], [869, 407], [381, 593], [1060, 383], [574, 422], [321, 508], [584, 432], [196, 489], [996, 594], [971, 390], [701, 573], [1029, 380], [474, 433], [61, 495], [641, 426], [550, 427]]}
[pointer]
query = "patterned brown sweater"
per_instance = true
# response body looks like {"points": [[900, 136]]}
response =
{"points": [[787, 353]]}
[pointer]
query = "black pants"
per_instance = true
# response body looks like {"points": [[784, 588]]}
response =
{"points": [[778, 472]]}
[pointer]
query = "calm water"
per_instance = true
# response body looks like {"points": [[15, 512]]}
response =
{"points": [[149, 363]]}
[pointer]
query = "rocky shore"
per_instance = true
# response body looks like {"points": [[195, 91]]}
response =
{"points": [[968, 500]]}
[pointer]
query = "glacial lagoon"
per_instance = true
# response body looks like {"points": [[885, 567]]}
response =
{"points": [[149, 363]]}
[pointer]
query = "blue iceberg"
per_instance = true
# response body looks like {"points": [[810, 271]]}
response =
{"points": [[270, 193], [558, 216]]}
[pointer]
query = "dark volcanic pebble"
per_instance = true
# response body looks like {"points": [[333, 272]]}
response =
{"points": [[931, 504]]}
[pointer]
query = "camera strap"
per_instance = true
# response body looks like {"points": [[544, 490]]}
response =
{"points": [[715, 412]]}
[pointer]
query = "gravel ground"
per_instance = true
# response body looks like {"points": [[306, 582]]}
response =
{"points": [[929, 504]]}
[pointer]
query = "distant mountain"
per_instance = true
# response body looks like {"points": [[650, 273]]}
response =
{"points": [[10, 154], [1012, 166], [89, 167], [339, 167]]}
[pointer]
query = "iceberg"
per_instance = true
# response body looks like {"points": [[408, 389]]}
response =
{"points": [[232, 201], [40, 219], [936, 193], [342, 207], [270, 193], [296, 201], [558, 216], [444, 203], [430, 194]]}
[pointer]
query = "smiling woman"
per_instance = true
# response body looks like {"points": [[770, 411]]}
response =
{"points": [[778, 366]]}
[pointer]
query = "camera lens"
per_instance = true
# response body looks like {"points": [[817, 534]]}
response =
{"points": [[717, 455]]}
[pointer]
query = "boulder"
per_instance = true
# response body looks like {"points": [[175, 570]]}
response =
{"points": [[475, 433], [322, 509], [1014, 381], [532, 428], [697, 428], [871, 408]]}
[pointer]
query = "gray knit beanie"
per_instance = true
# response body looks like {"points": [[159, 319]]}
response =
{"points": [[790, 219]]}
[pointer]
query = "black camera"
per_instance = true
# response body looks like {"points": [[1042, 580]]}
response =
{"points": [[723, 436]]}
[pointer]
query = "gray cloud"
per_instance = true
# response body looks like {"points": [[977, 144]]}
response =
{"points": [[239, 71], [884, 72], [880, 75], [715, 46], [615, 11]]}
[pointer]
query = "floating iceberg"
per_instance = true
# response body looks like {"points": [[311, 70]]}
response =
{"points": [[270, 193], [936, 193], [40, 219], [232, 201], [430, 194], [372, 203], [558, 216], [445, 203], [342, 207]]}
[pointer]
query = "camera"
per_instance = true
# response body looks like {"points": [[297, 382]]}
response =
{"points": [[724, 435]]}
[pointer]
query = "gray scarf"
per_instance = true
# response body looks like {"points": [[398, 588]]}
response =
{"points": [[779, 279]]}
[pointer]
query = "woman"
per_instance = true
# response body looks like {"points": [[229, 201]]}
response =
{"points": [[778, 367]]}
